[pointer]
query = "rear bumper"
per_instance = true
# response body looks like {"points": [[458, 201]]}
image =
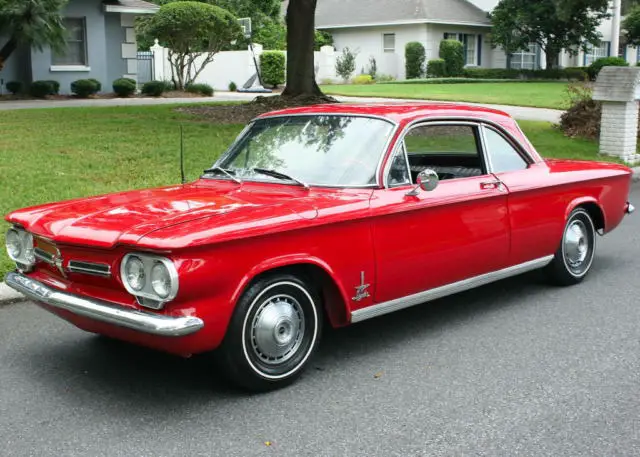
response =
{"points": [[110, 313], [629, 208]]}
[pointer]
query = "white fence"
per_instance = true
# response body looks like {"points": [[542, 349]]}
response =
{"points": [[238, 66]]}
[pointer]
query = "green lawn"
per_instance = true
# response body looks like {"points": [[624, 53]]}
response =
{"points": [[50, 155], [536, 94]]}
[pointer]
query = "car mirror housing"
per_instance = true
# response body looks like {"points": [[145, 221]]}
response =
{"points": [[427, 180]]}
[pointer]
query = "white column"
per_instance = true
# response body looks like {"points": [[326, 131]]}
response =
{"points": [[615, 28], [619, 130]]}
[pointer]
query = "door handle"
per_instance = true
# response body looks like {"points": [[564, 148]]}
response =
{"points": [[491, 185]]}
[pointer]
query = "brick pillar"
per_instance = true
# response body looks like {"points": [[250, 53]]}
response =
{"points": [[618, 88], [618, 136]]}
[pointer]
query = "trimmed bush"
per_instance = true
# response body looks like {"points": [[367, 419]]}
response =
{"points": [[40, 89], [15, 87], [97, 83], [571, 74], [272, 68], [55, 87], [452, 52], [169, 86], [84, 88], [595, 67], [232, 87], [154, 88], [437, 68], [124, 87], [363, 79], [203, 89], [414, 60]]}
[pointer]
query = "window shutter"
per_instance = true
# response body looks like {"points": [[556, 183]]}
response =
{"points": [[479, 50], [608, 48]]}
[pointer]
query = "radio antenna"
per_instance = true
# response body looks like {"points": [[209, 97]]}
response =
{"points": [[182, 155]]}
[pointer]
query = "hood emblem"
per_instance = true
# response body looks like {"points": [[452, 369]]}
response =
{"points": [[58, 261], [361, 289]]}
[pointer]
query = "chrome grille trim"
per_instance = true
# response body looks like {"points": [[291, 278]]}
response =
{"points": [[43, 256], [90, 268]]}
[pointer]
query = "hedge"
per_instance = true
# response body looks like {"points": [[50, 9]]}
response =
{"points": [[574, 73], [200, 88], [272, 68], [468, 81], [452, 52], [595, 67], [437, 68]]}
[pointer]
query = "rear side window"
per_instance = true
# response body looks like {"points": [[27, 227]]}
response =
{"points": [[503, 156], [441, 139]]}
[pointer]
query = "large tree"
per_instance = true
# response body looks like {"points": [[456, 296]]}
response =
{"points": [[631, 27], [553, 24], [37, 23], [301, 78]]}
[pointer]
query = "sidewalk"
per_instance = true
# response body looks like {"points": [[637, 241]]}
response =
{"points": [[518, 112]]}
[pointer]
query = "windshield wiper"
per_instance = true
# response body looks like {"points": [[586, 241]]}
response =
{"points": [[278, 175], [228, 173]]}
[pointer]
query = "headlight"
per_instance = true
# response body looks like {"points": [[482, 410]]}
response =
{"points": [[152, 279], [20, 248], [134, 273], [161, 280], [14, 245]]}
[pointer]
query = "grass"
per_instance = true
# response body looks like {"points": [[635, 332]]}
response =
{"points": [[535, 94], [56, 154]]}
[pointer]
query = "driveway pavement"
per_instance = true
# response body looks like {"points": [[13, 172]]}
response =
{"points": [[517, 368], [521, 113]]}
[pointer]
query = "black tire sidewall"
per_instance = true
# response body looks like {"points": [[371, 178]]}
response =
{"points": [[241, 363]]}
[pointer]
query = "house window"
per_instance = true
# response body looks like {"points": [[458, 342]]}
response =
{"points": [[596, 52], [75, 52], [389, 42], [526, 60], [470, 46]]}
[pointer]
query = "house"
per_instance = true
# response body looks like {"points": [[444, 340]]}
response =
{"points": [[101, 44], [382, 28]]}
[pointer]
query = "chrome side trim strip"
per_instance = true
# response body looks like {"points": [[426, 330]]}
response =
{"points": [[141, 321], [44, 256], [449, 289]]}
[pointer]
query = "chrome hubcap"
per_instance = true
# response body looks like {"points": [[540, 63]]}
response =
{"points": [[576, 244], [277, 329]]}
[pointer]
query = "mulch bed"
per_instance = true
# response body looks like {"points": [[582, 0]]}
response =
{"points": [[245, 112]]}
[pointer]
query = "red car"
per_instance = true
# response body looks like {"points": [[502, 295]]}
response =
{"points": [[333, 213]]}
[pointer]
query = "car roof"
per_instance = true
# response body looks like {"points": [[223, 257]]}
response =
{"points": [[400, 112]]}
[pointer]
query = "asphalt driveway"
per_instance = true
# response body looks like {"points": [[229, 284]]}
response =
{"points": [[517, 368]]}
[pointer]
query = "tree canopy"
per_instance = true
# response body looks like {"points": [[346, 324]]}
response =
{"points": [[553, 24], [193, 32], [631, 27], [37, 23]]}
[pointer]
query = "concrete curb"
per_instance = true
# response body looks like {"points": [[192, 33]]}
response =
{"points": [[8, 295], [636, 173]]}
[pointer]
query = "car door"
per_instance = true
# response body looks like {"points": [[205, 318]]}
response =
{"points": [[535, 211], [458, 231]]}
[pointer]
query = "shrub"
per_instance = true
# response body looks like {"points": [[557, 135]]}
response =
{"points": [[40, 89], [124, 87], [169, 86], [437, 68], [414, 59], [97, 83], [154, 88], [272, 68], [363, 79], [346, 64], [574, 73], [595, 67], [384, 78], [584, 116], [55, 87], [15, 87], [373, 67], [84, 88], [452, 52], [203, 89], [232, 87]]}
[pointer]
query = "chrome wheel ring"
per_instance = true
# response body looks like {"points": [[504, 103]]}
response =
{"points": [[578, 244], [277, 329]]}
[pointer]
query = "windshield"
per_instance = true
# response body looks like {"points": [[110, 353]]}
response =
{"points": [[322, 150]]}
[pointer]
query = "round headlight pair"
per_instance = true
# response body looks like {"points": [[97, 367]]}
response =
{"points": [[150, 277], [20, 247]]}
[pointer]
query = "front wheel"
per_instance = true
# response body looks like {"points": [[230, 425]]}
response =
{"points": [[273, 334], [574, 257]]}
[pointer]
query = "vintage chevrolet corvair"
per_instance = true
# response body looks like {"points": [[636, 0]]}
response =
{"points": [[333, 213]]}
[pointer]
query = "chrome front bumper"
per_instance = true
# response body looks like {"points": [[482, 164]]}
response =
{"points": [[102, 311]]}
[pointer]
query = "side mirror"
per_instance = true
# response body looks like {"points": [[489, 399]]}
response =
{"points": [[427, 180]]}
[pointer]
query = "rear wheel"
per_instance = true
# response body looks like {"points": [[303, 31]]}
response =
{"points": [[574, 257], [273, 334]]}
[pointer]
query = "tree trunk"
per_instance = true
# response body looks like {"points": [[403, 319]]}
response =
{"points": [[552, 56], [7, 50], [301, 78]]}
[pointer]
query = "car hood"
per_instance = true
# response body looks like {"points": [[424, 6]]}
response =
{"points": [[125, 218]]}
